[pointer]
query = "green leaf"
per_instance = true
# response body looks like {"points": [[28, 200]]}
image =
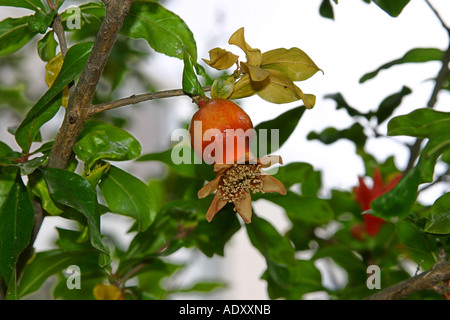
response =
{"points": [[398, 201], [48, 104], [74, 191], [416, 55], [430, 154], [202, 287], [330, 135], [342, 104], [7, 178], [15, 97], [100, 140], [277, 250], [284, 125], [421, 123], [439, 219], [46, 264], [35, 5], [345, 258], [164, 31], [304, 278], [392, 7], [416, 240], [326, 10], [286, 276], [14, 34], [191, 84], [28, 167], [303, 208], [211, 237], [29, 129], [16, 224], [11, 293], [300, 172], [129, 196], [93, 10], [47, 46], [40, 21], [150, 278], [388, 105], [37, 185], [425, 123], [295, 172]]}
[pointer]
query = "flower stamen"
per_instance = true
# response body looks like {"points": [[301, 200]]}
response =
{"points": [[239, 179]]}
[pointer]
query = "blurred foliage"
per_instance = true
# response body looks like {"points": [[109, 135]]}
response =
{"points": [[166, 212]]}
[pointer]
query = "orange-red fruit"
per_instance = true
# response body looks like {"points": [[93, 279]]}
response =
{"points": [[221, 115]]}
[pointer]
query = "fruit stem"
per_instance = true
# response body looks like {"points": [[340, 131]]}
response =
{"points": [[200, 100]]}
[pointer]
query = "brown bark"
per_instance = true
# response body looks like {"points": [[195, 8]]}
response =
{"points": [[427, 280], [79, 103]]}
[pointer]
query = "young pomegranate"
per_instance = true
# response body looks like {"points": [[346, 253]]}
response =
{"points": [[221, 132]]}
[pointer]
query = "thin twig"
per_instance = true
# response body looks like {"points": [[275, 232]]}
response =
{"points": [[137, 98], [438, 16], [58, 27]]}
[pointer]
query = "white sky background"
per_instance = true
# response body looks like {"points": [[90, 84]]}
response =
{"points": [[360, 39]]}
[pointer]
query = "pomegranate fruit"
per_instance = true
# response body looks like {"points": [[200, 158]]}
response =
{"points": [[221, 131]]}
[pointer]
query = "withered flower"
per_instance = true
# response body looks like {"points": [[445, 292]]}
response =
{"points": [[234, 182]]}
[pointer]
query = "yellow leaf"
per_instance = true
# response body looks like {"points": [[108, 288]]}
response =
{"points": [[256, 74], [107, 292], [279, 89], [254, 56], [244, 88], [52, 69], [221, 59], [294, 63], [309, 100]]}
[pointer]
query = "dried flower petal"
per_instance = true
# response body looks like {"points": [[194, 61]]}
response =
{"points": [[244, 208], [209, 188], [221, 59], [271, 184], [235, 182], [216, 205]]}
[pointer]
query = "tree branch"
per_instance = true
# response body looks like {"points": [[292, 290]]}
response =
{"points": [[427, 280], [136, 98], [79, 103]]}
